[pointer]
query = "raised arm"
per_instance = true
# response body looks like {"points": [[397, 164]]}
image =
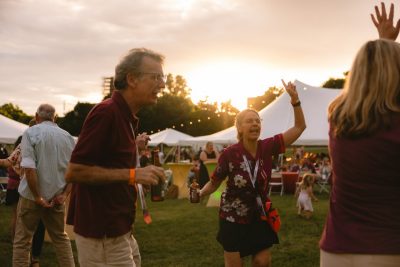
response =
{"points": [[384, 24], [294, 132], [79, 173]]}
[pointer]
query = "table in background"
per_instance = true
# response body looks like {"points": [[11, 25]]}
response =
{"points": [[180, 172], [289, 182]]}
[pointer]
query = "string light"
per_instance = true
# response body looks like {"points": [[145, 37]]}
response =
{"points": [[182, 125]]}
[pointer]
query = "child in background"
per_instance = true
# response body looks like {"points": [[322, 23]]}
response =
{"points": [[304, 194]]}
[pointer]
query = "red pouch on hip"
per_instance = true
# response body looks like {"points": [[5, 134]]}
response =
{"points": [[272, 217]]}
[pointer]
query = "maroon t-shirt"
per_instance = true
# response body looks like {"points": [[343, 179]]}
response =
{"points": [[238, 201], [364, 215], [106, 140]]}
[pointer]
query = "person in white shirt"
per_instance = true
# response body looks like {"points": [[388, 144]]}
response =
{"points": [[45, 152]]}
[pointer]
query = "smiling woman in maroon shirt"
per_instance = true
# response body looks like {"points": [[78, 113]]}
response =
{"points": [[247, 165], [363, 223]]}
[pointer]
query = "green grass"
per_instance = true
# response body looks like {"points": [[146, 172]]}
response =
{"points": [[183, 234]]}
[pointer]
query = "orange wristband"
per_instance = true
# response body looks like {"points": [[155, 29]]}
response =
{"points": [[132, 173]]}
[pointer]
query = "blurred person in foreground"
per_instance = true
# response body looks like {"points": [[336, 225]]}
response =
{"points": [[45, 152], [243, 229], [363, 223], [103, 165]]}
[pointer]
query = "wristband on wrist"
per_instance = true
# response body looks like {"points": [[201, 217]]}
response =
{"points": [[132, 175], [298, 103]]}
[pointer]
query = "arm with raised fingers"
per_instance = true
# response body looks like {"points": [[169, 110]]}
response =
{"points": [[291, 135], [384, 23]]}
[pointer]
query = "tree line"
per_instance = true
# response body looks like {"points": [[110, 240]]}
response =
{"points": [[174, 109]]}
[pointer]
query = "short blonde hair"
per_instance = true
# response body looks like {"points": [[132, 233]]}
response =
{"points": [[371, 93], [239, 120]]}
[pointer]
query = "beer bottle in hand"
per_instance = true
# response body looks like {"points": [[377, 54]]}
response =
{"points": [[194, 192], [157, 191]]}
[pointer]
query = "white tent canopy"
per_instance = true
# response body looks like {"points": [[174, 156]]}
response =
{"points": [[277, 117], [169, 137], [10, 130]]}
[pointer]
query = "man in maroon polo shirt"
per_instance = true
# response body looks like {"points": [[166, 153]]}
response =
{"points": [[102, 167]]}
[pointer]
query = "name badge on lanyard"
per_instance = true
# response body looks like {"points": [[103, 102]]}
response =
{"points": [[253, 178]]}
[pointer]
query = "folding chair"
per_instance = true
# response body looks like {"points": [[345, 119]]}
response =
{"points": [[323, 183], [3, 189], [276, 180]]}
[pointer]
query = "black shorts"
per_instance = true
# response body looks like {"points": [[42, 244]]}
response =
{"points": [[12, 197], [248, 239]]}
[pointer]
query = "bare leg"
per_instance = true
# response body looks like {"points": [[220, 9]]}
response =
{"points": [[232, 259], [262, 259]]}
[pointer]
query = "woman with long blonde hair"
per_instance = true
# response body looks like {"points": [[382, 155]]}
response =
{"points": [[363, 224]]}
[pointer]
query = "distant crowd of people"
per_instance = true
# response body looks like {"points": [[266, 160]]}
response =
{"points": [[103, 172]]}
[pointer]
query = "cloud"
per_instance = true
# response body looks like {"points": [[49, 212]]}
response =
{"points": [[55, 49]]}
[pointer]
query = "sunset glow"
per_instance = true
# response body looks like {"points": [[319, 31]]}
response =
{"points": [[224, 49], [229, 80]]}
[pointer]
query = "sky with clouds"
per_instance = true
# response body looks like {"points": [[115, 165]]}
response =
{"points": [[57, 51]]}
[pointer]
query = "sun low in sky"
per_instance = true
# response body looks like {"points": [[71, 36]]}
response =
{"points": [[57, 51], [228, 80]]}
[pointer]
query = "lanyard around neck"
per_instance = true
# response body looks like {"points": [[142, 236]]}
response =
{"points": [[253, 176]]}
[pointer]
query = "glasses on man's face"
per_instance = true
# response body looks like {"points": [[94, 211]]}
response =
{"points": [[155, 76]]}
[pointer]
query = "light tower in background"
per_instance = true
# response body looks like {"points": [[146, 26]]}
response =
{"points": [[108, 86]]}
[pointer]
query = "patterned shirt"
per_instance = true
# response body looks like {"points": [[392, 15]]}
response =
{"points": [[15, 159], [238, 201], [46, 148]]}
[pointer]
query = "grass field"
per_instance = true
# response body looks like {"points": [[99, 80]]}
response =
{"points": [[183, 234]]}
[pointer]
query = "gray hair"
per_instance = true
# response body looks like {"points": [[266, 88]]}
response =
{"points": [[131, 63], [46, 112]]}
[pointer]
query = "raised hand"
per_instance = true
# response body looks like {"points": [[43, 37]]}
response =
{"points": [[384, 24], [291, 90]]}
